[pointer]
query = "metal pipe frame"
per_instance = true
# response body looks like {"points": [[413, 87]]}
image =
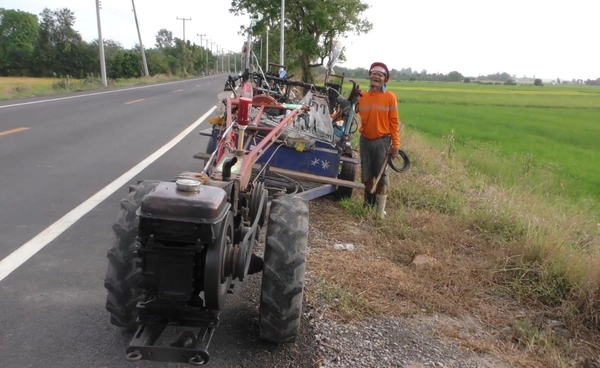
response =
{"points": [[250, 157]]}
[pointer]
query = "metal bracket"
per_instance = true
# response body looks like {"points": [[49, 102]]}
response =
{"points": [[247, 244], [189, 348]]}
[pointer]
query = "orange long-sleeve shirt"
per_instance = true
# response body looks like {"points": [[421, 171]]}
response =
{"points": [[379, 116]]}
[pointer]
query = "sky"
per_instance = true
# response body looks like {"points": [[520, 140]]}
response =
{"points": [[544, 38]]}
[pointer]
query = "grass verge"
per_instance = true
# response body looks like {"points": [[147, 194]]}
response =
{"points": [[21, 87], [527, 269]]}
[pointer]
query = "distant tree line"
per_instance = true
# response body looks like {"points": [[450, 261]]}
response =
{"points": [[589, 82], [408, 74], [404, 74], [49, 46]]}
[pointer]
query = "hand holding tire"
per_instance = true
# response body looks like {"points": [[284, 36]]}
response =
{"points": [[355, 95]]}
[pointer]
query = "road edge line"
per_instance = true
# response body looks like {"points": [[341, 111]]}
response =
{"points": [[99, 93]]}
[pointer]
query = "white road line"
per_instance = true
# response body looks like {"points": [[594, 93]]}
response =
{"points": [[96, 93], [29, 249]]}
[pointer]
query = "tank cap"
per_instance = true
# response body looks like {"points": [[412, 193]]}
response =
{"points": [[188, 185]]}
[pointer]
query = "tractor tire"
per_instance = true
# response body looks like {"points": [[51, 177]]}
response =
{"points": [[123, 281], [348, 172], [284, 266]]}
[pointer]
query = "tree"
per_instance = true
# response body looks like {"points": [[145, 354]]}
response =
{"points": [[455, 76], [164, 39], [311, 27], [157, 62], [59, 44], [537, 82], [19, 33]]}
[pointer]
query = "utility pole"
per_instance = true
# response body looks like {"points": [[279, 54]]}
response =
{"points": [[184, 45], [101, 45], [267, 53], [201, 35], [260, 54], [217, 60], [248, 50], [211, 50], [222, 54], [228, 62], [184, 19], [282, 31], [146, 73], [207, 41]]}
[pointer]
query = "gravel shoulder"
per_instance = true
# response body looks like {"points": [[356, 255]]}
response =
{"points": [[393, 342], [376, 342]]}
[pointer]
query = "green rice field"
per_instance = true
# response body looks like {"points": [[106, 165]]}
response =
{"points": [[545, 139]]}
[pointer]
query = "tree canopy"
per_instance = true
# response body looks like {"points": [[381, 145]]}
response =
{"points": [[311, 26], [19, 32], [49, 46]]}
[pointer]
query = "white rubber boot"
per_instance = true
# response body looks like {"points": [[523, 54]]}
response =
{"points": [[381, 205]]}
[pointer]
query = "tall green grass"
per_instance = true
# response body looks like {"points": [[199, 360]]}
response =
{"points": [[544, 139], [523, 179]]}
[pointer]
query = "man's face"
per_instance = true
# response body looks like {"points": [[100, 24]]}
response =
{"points": [[377, 79]]}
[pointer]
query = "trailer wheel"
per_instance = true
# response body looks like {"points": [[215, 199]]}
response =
{"points": [[284, 266], [348, 172], [123, 279]]}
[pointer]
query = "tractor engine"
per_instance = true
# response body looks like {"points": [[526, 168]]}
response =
{"points": [[184, 237]]}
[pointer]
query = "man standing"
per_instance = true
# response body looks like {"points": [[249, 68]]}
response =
{"points": [[379, 134]]}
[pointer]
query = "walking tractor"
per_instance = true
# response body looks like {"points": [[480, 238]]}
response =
{"points": [[180, 245]]}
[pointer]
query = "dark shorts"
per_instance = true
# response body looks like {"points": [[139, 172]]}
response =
{"points": [[373, 154]]}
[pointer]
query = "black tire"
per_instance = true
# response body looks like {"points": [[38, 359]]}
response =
{"points": [[284, 267], [405, 163], [124, 281], [348, 172]]}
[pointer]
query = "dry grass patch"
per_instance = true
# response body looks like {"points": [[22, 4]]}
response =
{"points": [[20, 87], [526, 269]]}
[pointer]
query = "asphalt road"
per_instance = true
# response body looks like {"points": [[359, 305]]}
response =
{"points": [[56, 153]]}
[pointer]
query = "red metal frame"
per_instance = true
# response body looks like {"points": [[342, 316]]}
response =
{"points": [[250, 157]]}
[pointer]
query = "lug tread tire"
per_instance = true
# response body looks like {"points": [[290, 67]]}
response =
{"points": [[348, 172], [284, 268], [124, 281]]}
